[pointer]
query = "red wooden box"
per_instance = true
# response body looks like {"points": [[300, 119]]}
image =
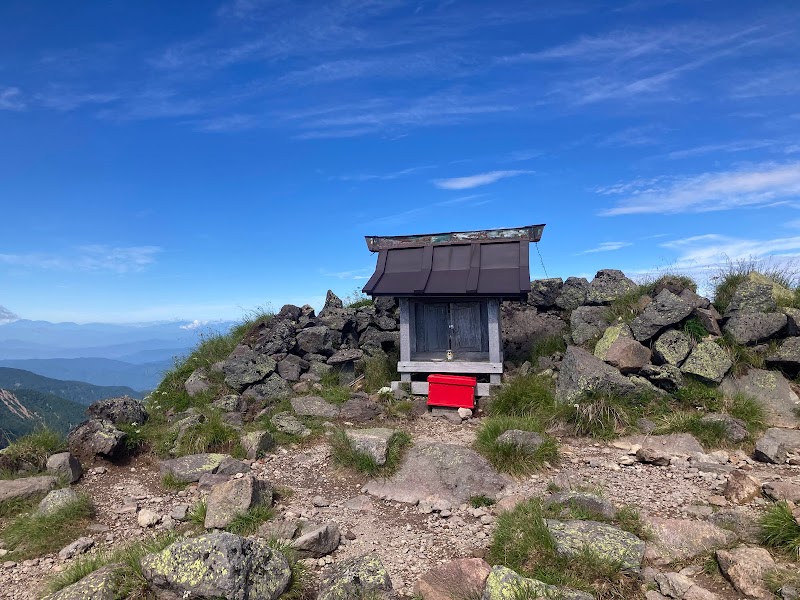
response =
{"points": [[451, 390]]}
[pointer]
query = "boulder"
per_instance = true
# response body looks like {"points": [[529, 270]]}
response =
{"points": [[673, 444], [582, 372], [229, 466], [772, 391], [587, 322], [673, 585], [526, 441], [735, 429], [677, 540], [451, 471], [357, 577], [291, 367], [459, 578], [332, 302], [709, 318], [96, 437], [787, 357], [782, 490], [257, 443], [79, 546], [672, 347], [56, 500], [757, 293], [190, 468], [314, 406], [216, 565], [270, 390], [544, 292], [504, 584], [315, 340], [286, 422], [228, 403], [372, 442], [359, 409], [65, 465], [627, 355], [345, 355], [745, 568], [120, 411], [666, 377], [607, 286], [607, 542], [319, 541], [741, 488], [708, 362], [775, 443], [522, 326], [753, 328], [792, 320], [573, 293], [280, 530], [591, 503], [665, 310], [235, 497], [244, 367], [740, 520], [653, 456], [27, 487], [611, 335], [102, 584], [197, 383]]}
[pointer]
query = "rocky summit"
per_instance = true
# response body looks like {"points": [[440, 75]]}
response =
{"points": [[644, 443]]}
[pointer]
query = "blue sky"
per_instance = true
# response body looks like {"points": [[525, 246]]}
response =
{"points": [[198, 159]]}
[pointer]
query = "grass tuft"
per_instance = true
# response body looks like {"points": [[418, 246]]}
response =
{"points": [[546, 346], [380, 370], [695, 329], [345, 454], [197, 514], [779, 529], [526, 396], [170, 482], [744, 358], [302, 582], [212, 435], [247, 523], [629, 305], [511, 458], [734, 273], [481, 501], [35, 448]]}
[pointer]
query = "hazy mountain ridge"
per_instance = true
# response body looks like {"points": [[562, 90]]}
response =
{"points": [[74, 391], [22, 411]]}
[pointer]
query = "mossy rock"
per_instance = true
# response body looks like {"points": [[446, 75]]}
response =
{"points": [[505, 584], [606, 542]]}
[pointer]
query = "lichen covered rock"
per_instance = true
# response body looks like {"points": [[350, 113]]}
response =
{"points": [[582, 372], [707, 362], [604, 541], [358, 577], [505, 584]]}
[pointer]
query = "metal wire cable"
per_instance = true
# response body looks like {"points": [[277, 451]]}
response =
{"points": [[541, 259]]}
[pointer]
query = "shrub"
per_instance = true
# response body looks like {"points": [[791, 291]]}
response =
{"points": [[512, 458], [35, 448], [346, 455], [779, 529], [35, 534]]}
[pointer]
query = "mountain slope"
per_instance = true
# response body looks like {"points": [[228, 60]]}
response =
{"points": [[97, 371], [22, 411], [74, 391]]}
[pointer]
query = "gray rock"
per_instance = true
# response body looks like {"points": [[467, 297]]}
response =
{"points": [[271, 389], [26, 487], [332, 302], [447, 412], [677, 540], [451, 471], [504, 584], [672, 347], [257, 443], [56, 500], [315, 340], [665, 377], [314, 406], [607, 286], [179, 512], [673, 444], [709, 318], [611, 335], [653, 456], [526, 441], [588, 502], [708, 362], [102, 584], [753, 328], [197, 383], [544, 292], [775, 443], [345, 355], [280, 530], [522, 326], [218, 565], [207, 481], [245, 367], [291, 367], [79, 546], [741, 488], [582, 372], [792, 320], [235, 497], [373, 442], [228, 403], [587, 322], [738, 520], [755, 294], [287, 423], [65, 465], [604, 541], [318, 542], [358, 577], [190, 468], [120, 411], [96, 437], [745, 568], [665, 310], [787, 357], [627, 355], [147, 518], [735, 429], [459, 578], [229, 466], [573, 293], [360, 410], [771, 390], [673, 585], [782, 490]]}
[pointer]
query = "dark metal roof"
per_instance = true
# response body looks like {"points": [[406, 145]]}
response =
{"points": [[472, 263]]}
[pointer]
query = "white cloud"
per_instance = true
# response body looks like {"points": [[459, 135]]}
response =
{"points": [[606, 247], [93, 258], [11, 99], [760, 185], [196, 324], [383, 176], [739, 146], [355, 275], [473, 181], [709, 250]]}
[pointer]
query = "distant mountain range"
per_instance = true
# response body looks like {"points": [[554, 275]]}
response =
{"points": [[74, 391]]}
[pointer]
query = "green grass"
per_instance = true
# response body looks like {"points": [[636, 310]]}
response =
{"points": [[31, 534], [511, 458], [212, 435], [526, 396], [380, 370], [481, 501], [710, 435], [11, 508], [247, 523], [695, 329], [170, 482], [744, 358], [345, 455], [197, 514], [546, 346], [749, 410], [780, 577], [628, 306], [357, 299], [523, 543], [696, 394], [135, 439], [302, 580], [780, 530], [35, 448]]}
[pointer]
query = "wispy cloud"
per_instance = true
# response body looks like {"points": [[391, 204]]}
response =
{"points": [[709, 250], [473, 181], [760, 185], [727, 147], [406, 216], [62, 99], [92, 258], [606, 247], [383, 176], [780, 81], [354, 275], [11, 99]]}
